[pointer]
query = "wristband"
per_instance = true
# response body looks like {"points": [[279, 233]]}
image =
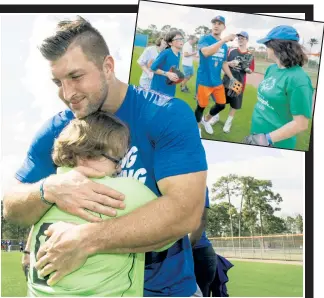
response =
{"points": [[41, 190], [26, 252], [269, 139]]}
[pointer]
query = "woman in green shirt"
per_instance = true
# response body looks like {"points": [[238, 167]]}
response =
{"points": [[285, 95]]}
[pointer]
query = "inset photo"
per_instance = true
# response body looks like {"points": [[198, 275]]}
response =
{"points": [[249, 78]]}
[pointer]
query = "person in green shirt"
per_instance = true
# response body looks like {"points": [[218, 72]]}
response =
{"points": [[285, 96], [98, 141]]}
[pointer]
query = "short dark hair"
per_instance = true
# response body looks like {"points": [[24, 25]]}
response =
{"points": [[90, 137], [77, 32], [192, 37], [170, 35], [289, 52]]}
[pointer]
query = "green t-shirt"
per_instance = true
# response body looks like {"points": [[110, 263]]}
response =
{"points": [[282, 94], [102, 275]]}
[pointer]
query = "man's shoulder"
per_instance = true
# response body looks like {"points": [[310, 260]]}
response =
{"points": [[52, 127], [150, 103], [152, 98]]}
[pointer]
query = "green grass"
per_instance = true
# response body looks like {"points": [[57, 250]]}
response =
{"points": [[247, 279], [13, 282], [254, 279], [242, 121]]}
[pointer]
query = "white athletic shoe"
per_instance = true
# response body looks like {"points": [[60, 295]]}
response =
{"points": [[227, 126], [207, 126], [214, 119]]}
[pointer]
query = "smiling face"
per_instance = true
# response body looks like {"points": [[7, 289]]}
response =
{"points": [[242, 41], [82, 85]]}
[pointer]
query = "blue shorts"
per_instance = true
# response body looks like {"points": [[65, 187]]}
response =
{"points": [[188, 71]]}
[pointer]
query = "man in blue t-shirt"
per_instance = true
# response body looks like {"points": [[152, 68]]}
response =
{"points": [[212, 60], [165, 154], [205, 259]]}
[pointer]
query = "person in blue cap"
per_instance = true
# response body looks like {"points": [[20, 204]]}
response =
{"points": [[212, 60], [241, 62], [285, 95]]}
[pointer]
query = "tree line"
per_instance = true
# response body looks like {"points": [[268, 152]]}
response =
{"points": [[259, 52], [255, 213]]}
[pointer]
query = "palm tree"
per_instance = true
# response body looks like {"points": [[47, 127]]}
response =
{"points": [[313, 41]]}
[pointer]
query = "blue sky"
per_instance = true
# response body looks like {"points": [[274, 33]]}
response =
{"points": [[28, 98]]}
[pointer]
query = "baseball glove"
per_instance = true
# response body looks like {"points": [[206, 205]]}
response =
{"points": [[257, 139], [246, 62], [178, 73], [234, 88]]}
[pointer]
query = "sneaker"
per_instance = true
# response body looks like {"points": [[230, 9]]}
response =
{"points": [[227, 126], [214, 119], [207, 126], [185, 90]]}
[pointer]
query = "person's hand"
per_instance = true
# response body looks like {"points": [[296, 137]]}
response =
{"points": [[248, 70], [172, 76], [63, 252], [25, 263], [230, 37], [73, 192], [233, 63]]}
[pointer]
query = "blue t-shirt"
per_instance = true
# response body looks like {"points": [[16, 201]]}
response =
{"points": [[204, 241], [210, 68], [164, 61], [161, 146]]}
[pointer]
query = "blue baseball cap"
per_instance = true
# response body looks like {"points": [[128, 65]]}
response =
{"points": [[218, 19], [281, 32], [244, 34]]}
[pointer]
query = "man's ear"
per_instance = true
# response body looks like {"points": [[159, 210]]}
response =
{"points": [[109, 66]]}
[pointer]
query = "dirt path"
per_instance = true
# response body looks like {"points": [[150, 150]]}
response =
{"points": [[268, 261], [254, 79]]}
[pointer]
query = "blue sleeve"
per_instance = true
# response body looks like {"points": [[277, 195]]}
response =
{"points": [[202, 42], [178, 147], [207, 198], [159, 60], [226, 53], [38, 163]]}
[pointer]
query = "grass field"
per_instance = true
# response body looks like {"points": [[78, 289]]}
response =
{"points": [[247, 279], [254, 279], [242, 121], [13, 282]]}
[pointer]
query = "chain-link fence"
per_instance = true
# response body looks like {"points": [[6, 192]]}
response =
{"points": [[271, 247]]}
